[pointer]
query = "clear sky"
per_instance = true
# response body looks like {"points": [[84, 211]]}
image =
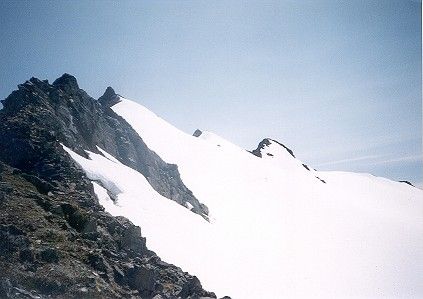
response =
{"points": [[339, 82]]}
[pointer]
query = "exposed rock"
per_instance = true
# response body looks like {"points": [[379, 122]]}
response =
{"points": [[67, 83], [63, 113], [109, 98], [131, 237], [407, 182], [323, 181], [266, 142], [49, 255], [197, 133], [143, 279], [56, 240], [306, 167]]}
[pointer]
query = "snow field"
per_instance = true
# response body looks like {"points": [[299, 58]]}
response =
{"points": [[275, 231]]}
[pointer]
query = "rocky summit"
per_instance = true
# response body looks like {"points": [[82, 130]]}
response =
{"points": [[56, 240]]}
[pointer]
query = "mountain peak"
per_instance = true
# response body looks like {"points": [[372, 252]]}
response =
{"points": [[66, 82], [109, 97], [24, 94], [266, 142]]}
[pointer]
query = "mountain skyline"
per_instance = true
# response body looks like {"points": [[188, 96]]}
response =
{"points": [[338, 82], [136, 198]]}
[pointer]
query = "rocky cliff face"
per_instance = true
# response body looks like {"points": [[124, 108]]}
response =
{"points": [[56, 241], [62, 112]]}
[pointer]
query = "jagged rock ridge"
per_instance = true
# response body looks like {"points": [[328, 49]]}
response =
{"points": [[56, 240], [266, 142], [67, 114]]}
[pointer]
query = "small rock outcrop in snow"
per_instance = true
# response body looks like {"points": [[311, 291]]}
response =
{"points": [[407, 182], [197, 133], [266, 142]]}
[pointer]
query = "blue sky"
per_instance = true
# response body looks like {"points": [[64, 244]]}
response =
{"points": [[339, 82]]}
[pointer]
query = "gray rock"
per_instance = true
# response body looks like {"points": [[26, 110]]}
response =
{"points": [[49, 255], [197, 133]]}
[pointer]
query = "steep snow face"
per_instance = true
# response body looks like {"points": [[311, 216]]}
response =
{"points": [[275, 231]]}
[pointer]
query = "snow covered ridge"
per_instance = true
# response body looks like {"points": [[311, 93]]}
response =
{"points": [[275, 231], [280, 155]]}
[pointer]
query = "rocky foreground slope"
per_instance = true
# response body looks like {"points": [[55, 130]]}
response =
{"points": [[56, 240]]}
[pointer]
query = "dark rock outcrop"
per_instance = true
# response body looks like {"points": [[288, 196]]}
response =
{"points": [[56, 240], [306, 166], [323, 181], [109, 98], [197, 133], [266, 142], [407, 182]]}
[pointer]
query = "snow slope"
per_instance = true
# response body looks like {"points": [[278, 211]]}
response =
{"points": [[276, 231]]}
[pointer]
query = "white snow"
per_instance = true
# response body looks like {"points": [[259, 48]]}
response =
{"points": [[276, 230], [102, 195], [107, 155], [189, 206]]}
